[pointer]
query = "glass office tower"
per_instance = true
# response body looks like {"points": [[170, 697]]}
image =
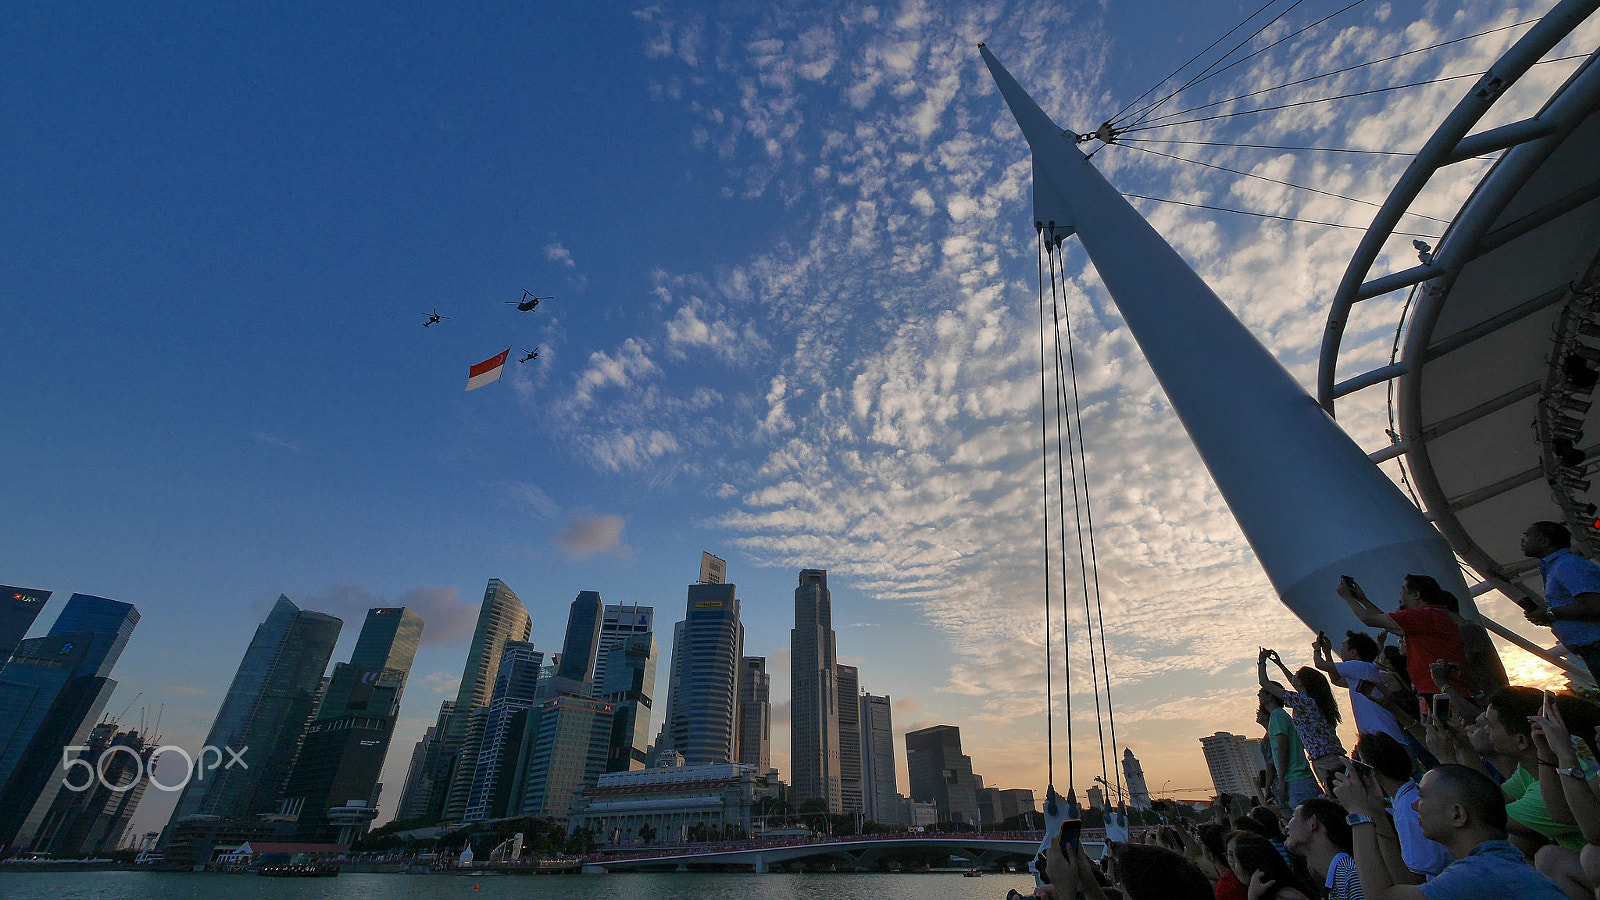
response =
{"points": [[344, 748], [266, 709], [52, 691]]}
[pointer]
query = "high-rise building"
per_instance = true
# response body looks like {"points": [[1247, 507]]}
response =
{"points": [[878, 779], [755, 714], [446, 777], [583, 637], [814, 695], [1138, 793], [620, 621], [91, 812], [567, 754], [850, 787], [941, 774], [988, 805], [515, 690], [1234, 761], [702, 720], [420, 786], [109, 624], [630, 688], [344, 747], [713, 569], [1095, 797], [52, 691], [1015, 802], [266, 709], [18, 608]]}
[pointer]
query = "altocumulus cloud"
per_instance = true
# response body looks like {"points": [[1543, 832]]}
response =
{"points": [[892, 433]]}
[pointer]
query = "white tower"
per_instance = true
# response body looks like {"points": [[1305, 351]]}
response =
{"points": [[1133, 773]]}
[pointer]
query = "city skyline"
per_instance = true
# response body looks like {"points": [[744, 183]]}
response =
{"points": [[818, 353], [641, 617]]}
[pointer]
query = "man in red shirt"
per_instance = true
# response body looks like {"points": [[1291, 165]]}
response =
{"points": [[1429, 631]]}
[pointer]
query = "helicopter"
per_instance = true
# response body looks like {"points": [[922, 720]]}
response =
{"points": [[532, 354], [433, 318], [529, 302]]}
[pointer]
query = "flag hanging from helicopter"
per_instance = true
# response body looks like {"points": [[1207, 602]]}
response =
{"points": [[487, 371]]}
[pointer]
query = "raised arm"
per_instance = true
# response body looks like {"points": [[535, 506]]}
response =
{"points": [[1322, 658], [1267, 684], [1362, 797], [1364, 609], [1287, 675], [1567, 795]]}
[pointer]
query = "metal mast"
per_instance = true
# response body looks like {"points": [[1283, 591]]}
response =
{"points": [[1309, 501]]}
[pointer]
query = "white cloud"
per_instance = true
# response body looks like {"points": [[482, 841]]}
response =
{"points": [[273, 440], [556, 253], [898, 438]]}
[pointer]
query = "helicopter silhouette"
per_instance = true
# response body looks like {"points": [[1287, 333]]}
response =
{"points": [[532, 354], [433, 318], [529, 302]]}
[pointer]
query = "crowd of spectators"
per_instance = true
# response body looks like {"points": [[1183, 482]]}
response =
{"points": [[1460, 786]]}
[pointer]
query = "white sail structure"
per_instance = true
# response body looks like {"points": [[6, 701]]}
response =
{"points": [[1309, 501]]}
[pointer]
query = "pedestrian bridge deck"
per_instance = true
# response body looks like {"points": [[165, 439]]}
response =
{"points": [[984, 851]]}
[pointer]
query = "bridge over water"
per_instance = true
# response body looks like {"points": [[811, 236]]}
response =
{"points": [[984, 851]]}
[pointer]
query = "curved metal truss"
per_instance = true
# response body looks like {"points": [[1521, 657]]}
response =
{"points": [[1498, 351]]}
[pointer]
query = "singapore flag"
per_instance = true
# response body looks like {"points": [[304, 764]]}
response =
{"points": [[487, 371]]}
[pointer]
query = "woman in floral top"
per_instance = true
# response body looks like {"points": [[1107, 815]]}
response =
{"points": [[1315, 714]]}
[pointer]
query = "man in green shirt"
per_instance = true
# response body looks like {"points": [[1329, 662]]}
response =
{"points": [[1295, 781]]}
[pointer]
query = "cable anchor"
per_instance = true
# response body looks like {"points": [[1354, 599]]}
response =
{"points": [[1105, 134]]}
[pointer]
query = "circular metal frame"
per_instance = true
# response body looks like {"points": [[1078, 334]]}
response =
{"points": [[1531, 200]]}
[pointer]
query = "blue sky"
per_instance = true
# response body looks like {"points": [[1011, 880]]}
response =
{"points": [[792, 324]]}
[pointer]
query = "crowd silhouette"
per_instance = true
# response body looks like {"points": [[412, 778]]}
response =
{"points": [[1461, 786]]}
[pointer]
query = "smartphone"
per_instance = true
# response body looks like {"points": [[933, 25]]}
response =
{"points": [[1441, 707], [1071, 833], [1364, 770]]}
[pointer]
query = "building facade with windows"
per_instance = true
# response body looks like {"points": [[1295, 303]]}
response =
{"points": [[678, 803]]}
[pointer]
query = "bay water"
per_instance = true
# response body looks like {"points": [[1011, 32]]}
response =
{"points": [[631, 886]]}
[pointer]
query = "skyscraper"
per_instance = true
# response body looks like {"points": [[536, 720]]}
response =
{"points": [[583, 637], [814, 695], [620, 621], [51, 692], [702, 720], [941, 774], [108, 623], [878, 787], [92, 821], [1234, 761], [420, 786], [515, 690], [630, 688], [266, 709], [1138, 793], [344, 748], [850, 791], [568, 753], [18, 608], [713, 569], [755, 714], [446, 777]]}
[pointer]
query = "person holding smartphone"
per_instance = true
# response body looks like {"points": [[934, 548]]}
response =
{"points": [[1429, 631], [1464, 810], [1571, 591]]}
